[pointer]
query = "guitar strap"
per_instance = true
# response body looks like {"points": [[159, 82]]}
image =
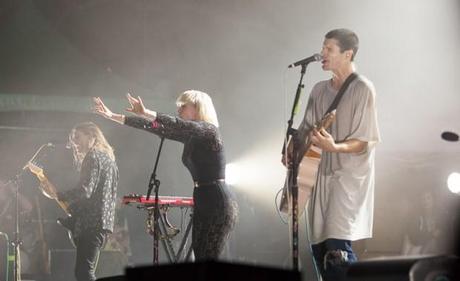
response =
{"points": [[342, 90]]}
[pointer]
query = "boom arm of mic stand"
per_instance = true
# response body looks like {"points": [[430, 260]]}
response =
{"points": [[295, 106]]}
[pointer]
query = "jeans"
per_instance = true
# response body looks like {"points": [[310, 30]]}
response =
{"points": [[332, 258], [89, 245]]}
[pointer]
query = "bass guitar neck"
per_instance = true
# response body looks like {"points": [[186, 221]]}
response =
{"points": [[46, 187]]}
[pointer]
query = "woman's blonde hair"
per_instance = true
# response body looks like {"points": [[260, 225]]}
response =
{"points": [[203, 104], [100, 142]]}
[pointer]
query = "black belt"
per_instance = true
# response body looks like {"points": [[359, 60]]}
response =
{"points": [[204, 183]]}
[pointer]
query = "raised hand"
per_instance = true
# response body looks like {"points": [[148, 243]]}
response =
{"points": [[137, 106], [100, 108]]}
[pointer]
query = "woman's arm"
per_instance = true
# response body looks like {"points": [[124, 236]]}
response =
{"points": [[138, 108], [170, 127], [101, 109]]}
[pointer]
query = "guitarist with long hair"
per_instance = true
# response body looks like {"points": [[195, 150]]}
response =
{"points": [[341, 204], [92, 201]]}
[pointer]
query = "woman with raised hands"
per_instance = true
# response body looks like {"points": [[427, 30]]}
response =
{"points": [[197, 127]]}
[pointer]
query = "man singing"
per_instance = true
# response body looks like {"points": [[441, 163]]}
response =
{"points": [[342, 202]]}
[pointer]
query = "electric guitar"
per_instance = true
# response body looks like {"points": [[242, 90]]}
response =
{"points": [[49, 190], [309, 157]]}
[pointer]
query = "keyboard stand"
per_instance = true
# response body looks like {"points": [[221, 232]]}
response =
{"points": [[167, 234]]}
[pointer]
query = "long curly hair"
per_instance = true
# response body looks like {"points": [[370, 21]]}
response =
{"points": [[100, 142]]}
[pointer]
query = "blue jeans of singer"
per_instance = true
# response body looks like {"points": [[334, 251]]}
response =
{"points": [[332, 258]]}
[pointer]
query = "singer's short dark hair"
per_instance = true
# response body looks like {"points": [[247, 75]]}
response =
{"points": [[347, 40]]}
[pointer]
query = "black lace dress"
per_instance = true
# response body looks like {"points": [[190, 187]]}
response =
{"points": [[215, 210]]}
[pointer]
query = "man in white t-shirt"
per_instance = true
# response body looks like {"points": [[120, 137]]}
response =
{"points": [[341, 206]]}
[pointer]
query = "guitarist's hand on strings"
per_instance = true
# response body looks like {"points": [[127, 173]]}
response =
{"points": [[322, 139]]}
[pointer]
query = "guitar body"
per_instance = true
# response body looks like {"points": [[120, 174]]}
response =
{"points": [[309, 159], [69, 224]]}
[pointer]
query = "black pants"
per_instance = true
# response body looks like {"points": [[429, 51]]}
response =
{"points": [[89, 244], [214, 216]]}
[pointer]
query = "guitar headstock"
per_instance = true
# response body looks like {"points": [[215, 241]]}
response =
{"points": [[35, 168]]}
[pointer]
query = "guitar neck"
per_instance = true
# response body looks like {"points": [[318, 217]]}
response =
{"points": [[64, 206], [50, 188], [324, 123]]}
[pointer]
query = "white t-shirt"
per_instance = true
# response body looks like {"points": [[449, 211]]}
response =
{"points": [[342, 201]]}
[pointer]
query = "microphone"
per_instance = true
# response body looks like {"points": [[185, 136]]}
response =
{"points": [[50, 144], [315, 57]]}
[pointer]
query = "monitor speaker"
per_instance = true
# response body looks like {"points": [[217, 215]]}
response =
{"points": [[405, 269]]}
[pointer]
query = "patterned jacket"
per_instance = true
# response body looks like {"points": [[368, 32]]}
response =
{"points": [[92, 201]]}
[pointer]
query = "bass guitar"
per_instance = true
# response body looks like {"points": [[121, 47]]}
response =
{"points": [[49, 190], [309, 157]]}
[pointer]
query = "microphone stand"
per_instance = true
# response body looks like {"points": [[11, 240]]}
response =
{"points": [[154, 182], [17, 242], [293, 168]]}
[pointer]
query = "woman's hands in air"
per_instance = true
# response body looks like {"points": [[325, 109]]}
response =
{"points": [[101, 109], [137, 106]]}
